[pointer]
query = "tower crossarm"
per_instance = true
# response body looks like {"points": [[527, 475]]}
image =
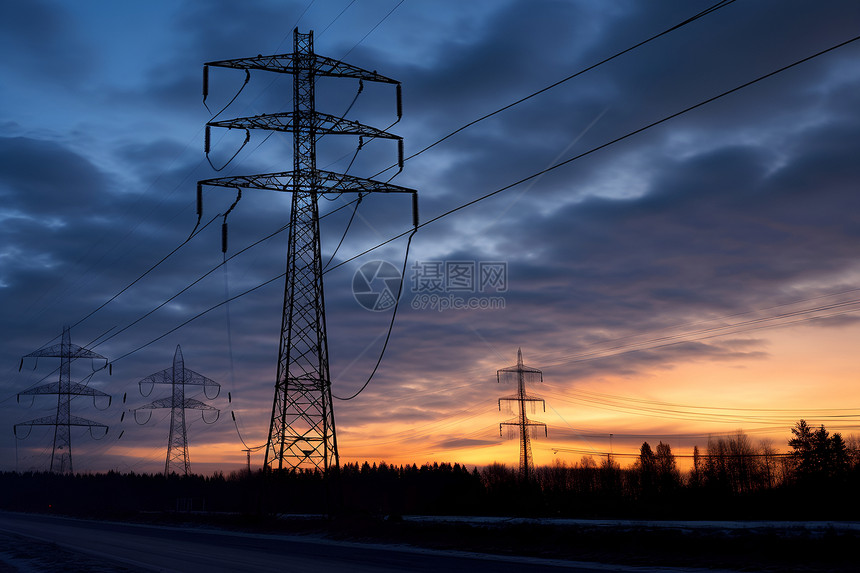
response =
{"points": [[523, 424], [52, 421], [192, 378], [163, 377], [188, 404], [287, 121], [50, 388], [525, 398], [54, 388], [519, 422], [192, 404], [326, 182], [72, 351], [78, 421], [160, 403], [519, 369], [291, 64], [43, 421]]}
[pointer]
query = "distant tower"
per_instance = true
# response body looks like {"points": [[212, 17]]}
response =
{"points": [[522, 375], [61, 455], [178, 377]]}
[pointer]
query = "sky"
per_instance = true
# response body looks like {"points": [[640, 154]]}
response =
{"points": [[692, 280]]}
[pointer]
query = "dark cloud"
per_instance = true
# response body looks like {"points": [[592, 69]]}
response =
{"points": [[47, 49], [72, 183]]}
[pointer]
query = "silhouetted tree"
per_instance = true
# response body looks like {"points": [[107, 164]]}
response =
{"points": [[769, 466], [696, 470], [646, 469], [732, 464], [818, 456], [667, 474], [610, 477]]}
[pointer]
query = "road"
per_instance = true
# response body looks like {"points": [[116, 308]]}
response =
{"points": [[172, 549]]}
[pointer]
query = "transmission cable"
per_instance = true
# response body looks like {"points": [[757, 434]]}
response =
{"points": [[844, 307], [229, 103], [229, 161], [336, 18], [714, 8], [390, 324], [600, 147], [149, 270], [384, 18], [210, 271], [198, 315], [412, 231], [345, 231]]}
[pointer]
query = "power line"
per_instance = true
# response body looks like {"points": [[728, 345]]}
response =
{"points": [[336, 18], [147, 271], [602, 146], [384, 18], [715, 7], [390, 324], [722, 317], [198, 315], [539, 173], [203, 276], [661, 403], [844, 307], [701, 14]]}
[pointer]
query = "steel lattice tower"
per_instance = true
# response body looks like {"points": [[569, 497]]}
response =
{"points": [[523, 375], [302, 428], [178, 376], [61, 455]]}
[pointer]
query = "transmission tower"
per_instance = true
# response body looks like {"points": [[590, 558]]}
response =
{"points": [[178, 376], [302, 428], [61, 455], [522, 375]]}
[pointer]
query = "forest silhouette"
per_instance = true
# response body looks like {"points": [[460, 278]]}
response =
{"points": [[731, 478]]}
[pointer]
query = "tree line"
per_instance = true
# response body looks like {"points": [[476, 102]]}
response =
{"points": [[732, 477]]}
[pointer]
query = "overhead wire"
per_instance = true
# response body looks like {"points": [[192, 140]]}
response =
{"points": [[345, 231], [600, 147], [551, 168], [653, 124], [146, 272], [728, 408], [578, 156], [336, 18], [548, 358], [384, 18], [713, 8], [390, 325], [697, 16], [843, 307], [677, 414], [207, 273]]}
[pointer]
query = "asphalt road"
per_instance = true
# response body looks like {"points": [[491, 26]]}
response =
{"points": [[172, 549]]}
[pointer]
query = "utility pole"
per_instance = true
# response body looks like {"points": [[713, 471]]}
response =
{"points": [[522, 375], [178, 376], [61, 455], [302, 427]]}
